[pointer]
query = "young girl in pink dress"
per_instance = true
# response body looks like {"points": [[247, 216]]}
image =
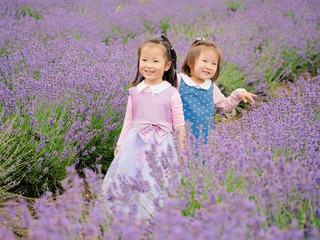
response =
{"points": [[154, 111], [199, 93]]}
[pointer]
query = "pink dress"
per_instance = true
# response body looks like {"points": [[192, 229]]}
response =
{"points": [[151, 130]]}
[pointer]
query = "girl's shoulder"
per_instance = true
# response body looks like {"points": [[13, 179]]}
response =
{"points": [[171, 90], [215, 85], [132, 89]]}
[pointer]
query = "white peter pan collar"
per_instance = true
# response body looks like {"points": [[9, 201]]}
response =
{"points": [[155, 89], [205, 85]]}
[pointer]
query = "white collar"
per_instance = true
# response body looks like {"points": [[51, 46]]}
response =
{"points": [[205, 85], [155, 89]]}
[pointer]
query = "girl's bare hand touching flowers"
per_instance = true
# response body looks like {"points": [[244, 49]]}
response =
{"points": [[247, 95]]}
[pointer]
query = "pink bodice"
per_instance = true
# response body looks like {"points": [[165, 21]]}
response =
{"points": [[152, 112]]}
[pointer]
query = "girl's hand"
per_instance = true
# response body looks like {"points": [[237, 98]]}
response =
{"points": [[116, 150], [248, 95], [181, 137]]}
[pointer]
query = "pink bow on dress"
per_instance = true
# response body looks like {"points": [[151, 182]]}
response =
{"points": [[161, 130]]}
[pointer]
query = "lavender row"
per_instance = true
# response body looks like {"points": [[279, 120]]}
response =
{"points": [[64, 70], [260, 38], [256, 179], [66, 102]]}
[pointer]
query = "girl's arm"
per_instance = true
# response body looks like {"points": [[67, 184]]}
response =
{"points": [[181, 136], [127, 124], [178, 117], [227, 104]]}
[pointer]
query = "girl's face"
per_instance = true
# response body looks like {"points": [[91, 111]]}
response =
{"points": [[205, 66], [153, 63]]}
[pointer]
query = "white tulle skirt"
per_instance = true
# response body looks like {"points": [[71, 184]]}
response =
{"points": [[132, 164]]}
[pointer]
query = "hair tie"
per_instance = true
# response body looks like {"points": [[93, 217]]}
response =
{"points": [[173, 54], [163, 38], [198, 39]]}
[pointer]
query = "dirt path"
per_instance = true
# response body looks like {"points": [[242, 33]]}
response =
{"points": [[19, 231]]}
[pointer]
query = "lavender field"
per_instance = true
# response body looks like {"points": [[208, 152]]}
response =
{"points": [[65, 69]]}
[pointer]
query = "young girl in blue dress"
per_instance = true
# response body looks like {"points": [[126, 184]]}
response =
{"points": [[154, 112], [199, 93]]}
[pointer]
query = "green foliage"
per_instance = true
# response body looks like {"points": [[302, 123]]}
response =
{"points": [[283, 63], [122, 34], [164, 25], [189, 31], [37, 146], [149, 28], [213, 15], [100, 149], [234, 5], [304, 213], [117, 32], [8, 156], [106, 40], [231, 77], [37, 150], [144, 2], [4, 52], [192, 207], [289, 15], [126, 38], [271, 66], [25, 10], [83, 10], [77, 35], [234, 182], [297, 64]]}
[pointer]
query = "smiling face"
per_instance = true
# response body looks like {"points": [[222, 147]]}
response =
{"points": [[153, 63], [205, 66]]}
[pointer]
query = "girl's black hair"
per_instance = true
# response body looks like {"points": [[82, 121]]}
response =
{"points": [[170, 75]]}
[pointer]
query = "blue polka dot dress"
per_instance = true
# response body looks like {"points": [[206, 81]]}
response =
{"points": [[198, 108]]}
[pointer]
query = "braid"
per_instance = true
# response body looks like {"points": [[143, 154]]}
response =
{"points": [[174, 58], [170, 75], [172, 51]]}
